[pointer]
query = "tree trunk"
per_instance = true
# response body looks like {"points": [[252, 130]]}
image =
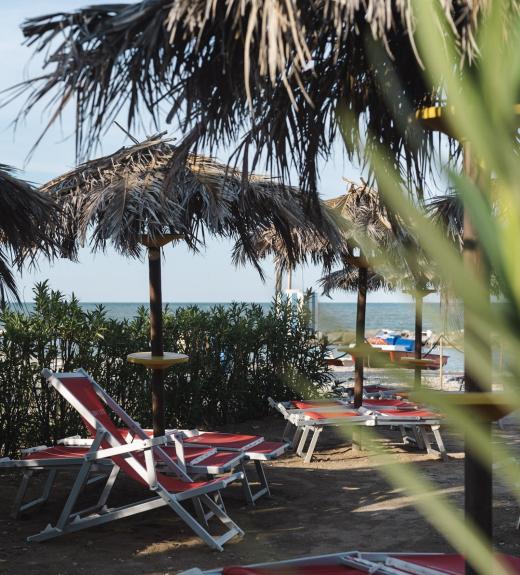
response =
{"points": [[418, 333], [156, 338], [360, 335], [478, 479]]}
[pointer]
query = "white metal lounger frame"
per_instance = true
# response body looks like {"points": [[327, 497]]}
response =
{"points": [[249, 453], [368, 417], [380, 563], [302, 423], [70, 520], [52, 466], [419, 427], [136, 429]]}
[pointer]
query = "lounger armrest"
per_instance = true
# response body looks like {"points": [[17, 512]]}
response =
{"points": [[140, 445], [29, 450], [76, 440]]}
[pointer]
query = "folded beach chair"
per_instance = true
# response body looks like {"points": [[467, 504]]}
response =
{"points": [[137, 460], [356, 563]]}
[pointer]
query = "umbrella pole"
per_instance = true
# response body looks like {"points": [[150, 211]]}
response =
{"points": [[360, 335], [156, 338], [478, 492], [418, 334]]}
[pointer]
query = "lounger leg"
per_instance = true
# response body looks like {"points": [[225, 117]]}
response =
{"points": [[303, 440], [263, 480], [73, 496], [199, 511], [104, 494], [440, 443], [18, 505], [419, 441], [286, 431], [425, 440], [312, 444], [108, 486], [296, 437], [213, 542], [248, 494]]}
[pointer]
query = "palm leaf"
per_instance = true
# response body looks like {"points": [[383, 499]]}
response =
{"points": [[276, 70]]}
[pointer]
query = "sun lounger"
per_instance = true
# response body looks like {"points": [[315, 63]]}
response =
{"points": [[232, 450], [137, 460], [313, 420], [356, 563], [310, 418], [419, 420], [254, 448]]}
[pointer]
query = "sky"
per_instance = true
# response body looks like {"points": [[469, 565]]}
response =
{"points": [[109, 277]]}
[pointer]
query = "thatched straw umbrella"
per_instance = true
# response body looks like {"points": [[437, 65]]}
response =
{"points": [[152, 193], [356, 214], [365, 224], [283, 70], [361, 206], [28, 227]]}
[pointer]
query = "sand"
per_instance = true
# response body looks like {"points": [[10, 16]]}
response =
{"points": [[338, 502]]}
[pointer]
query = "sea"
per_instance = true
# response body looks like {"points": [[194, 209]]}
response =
{"points": [[336, 317]]}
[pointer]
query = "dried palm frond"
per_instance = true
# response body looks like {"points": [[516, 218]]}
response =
{"points": [[154, 188], [280, 71], [28, 227], [347, 279], [448, 211]]}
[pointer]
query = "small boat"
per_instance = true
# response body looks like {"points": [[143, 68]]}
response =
{"points": [[400, 348]]}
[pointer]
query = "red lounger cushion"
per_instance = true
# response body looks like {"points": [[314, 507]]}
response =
{"points": [[222, 440], [315, 404], [266, 447], [219, 459], [388, 403], [331, 414], [58, 452], [399, 413], [449, 564]]}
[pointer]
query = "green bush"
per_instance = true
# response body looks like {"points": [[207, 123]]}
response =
{"points": [[239, 355]]}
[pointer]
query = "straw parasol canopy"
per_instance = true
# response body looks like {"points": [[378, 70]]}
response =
{"points": [[154, 188], [27, 228], [448, 211], [152, 193], [347, 279], [279, 71]]}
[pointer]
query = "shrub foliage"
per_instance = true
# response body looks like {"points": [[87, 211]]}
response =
{"points": [[239, 355]]}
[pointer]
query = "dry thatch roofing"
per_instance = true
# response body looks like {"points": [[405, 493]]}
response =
{"points": [[279, 70], [156, 188], [27, 227], [448, 211], [347, 279]]}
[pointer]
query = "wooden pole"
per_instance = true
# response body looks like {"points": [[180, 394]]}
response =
{"points": [[419, 294], [360, 335], [156, 338], [478, 495]]}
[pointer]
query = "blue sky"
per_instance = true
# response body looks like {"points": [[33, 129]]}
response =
{"points": [[205, 277]]}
